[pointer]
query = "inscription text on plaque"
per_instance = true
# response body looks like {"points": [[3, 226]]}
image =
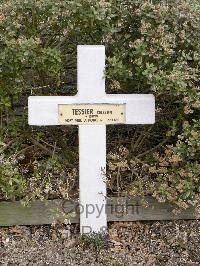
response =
{"points": [[77, 114]]}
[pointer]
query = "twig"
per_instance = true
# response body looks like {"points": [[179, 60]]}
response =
{"points": [[154, 148], [49, 151], [21, 151], [54, 149], [118, 185], [7, 145], [145, 135], [48, 144], [35, 142], [134, 145], [133, 138]]}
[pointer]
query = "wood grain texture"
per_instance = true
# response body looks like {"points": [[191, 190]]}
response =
{"points": [[118, 209]]}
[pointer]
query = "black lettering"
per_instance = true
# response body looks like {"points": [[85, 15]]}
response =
{"points": [[82, 111]]}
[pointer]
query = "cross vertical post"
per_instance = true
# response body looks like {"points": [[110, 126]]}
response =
{"points": [[92, 142]]}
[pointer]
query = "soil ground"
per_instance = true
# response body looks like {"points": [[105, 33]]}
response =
{"points": [[134, 243]]}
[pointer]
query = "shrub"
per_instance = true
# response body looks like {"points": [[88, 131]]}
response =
{"points": [[151, 46]]}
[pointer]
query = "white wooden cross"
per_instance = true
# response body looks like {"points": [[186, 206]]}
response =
{"points": [[92, 109]]}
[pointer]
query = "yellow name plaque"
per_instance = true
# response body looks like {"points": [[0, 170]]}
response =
{"points": [[86, 114]]}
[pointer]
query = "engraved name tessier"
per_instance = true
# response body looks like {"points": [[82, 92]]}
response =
{"points": [[77, 111]]}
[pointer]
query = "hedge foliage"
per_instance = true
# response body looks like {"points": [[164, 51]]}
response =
{"points": [[151, 47]]}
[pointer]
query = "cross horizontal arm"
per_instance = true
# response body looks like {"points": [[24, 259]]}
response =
{"points": [[140, 108]]}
